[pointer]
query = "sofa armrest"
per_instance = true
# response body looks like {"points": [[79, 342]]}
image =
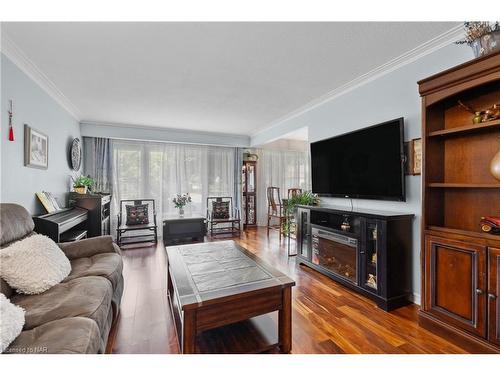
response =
{"points": [[89, 247]]}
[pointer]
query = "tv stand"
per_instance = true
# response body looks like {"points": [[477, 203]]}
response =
{"points": [[368, 251]]}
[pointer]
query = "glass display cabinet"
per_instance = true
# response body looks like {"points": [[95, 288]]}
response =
{"points": [[249, 186], [369, 277]]}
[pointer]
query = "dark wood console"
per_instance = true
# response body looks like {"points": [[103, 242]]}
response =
{"points": [[368, 251]]}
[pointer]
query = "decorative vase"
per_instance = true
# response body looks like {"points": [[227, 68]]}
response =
{"points": [[181, 211], [495, 166], [478, 117], [486, 44]]}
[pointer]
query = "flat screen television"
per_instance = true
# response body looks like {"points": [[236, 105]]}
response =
{"points": [[366, 163]]}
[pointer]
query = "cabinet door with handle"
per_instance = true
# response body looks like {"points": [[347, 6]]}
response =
{"points": [[493, 298], [455, 284]]}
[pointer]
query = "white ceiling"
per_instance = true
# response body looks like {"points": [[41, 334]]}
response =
{"points": [[222, 77]]}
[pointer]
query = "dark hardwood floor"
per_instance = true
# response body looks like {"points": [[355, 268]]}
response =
{"points": [[326, 317]]}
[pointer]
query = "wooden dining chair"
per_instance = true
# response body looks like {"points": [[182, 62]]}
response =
{"points": [[275, 210], [292, 192]]}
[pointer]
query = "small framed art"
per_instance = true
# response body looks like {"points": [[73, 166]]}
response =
{"points": [[36, 148], [414, 157]]}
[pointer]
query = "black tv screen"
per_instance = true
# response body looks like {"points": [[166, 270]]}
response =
{"points": [[367, 163]]}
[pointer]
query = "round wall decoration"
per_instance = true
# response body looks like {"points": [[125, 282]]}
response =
{"points": [[75, 154]]}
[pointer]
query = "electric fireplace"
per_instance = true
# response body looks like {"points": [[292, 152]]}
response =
{"points": [[335, 252]]}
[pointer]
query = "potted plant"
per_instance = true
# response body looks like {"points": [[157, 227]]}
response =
{"points": [[482, 37], [180, 201], [248, 156], [83, 184], [305, 198]]}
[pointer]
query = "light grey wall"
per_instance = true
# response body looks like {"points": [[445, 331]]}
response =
{"points": [[144, 133], [33, 106], [390, 96]]}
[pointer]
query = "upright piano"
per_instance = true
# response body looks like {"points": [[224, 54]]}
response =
{"points": [[65, 225]]}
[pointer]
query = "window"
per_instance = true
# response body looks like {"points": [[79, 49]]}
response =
{"points": [[162, 170]]}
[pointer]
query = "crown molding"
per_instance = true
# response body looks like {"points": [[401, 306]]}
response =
{"points": [[19, 58], [141, 132], [416, 53]]}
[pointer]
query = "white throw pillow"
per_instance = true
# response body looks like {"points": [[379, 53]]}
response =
{"points": [[33, 265], [11, 322]]}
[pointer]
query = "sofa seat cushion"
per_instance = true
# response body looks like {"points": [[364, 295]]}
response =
{"points": [[88, 297], [69, 335], [108, 265]]}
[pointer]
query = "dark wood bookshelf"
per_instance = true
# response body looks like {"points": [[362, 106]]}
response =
{"points": [[459, 262]]}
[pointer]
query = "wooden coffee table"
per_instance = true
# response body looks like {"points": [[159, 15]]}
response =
{"points": [[216, 291]]}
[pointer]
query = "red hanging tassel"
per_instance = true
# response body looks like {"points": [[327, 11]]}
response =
{"points": [[11, 134], [11, 129]]}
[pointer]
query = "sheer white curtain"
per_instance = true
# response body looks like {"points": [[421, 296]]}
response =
{"points": [[284, 169], [162, 170]]}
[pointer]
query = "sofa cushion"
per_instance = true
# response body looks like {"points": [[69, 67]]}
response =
{"points": [[108, 265], [89, 246], [69, 335], [33, 264], [15, 222], [137, 214], [11, 322], [89, 297]]}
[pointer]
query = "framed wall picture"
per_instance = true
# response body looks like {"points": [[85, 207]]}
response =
{"points": [[414, 157], [36, 148]]}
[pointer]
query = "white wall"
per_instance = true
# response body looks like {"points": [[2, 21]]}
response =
{"points": [[33, 106], [387, 97], [288, 144]]}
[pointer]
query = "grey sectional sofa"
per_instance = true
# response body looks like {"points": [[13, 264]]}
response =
{"points": [[76, 315]]}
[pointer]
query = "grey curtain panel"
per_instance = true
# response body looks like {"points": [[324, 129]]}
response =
{"points": [[97, 162], [238, 165]]}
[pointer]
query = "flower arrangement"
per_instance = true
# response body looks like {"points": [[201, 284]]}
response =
{"points": [[477, 29], [482, 36], [180, 201]]}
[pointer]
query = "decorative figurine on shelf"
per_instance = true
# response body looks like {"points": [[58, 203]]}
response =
{"points": [[489, 114], [346, 225], [372, 280], [490, 224], [180, 201]]}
